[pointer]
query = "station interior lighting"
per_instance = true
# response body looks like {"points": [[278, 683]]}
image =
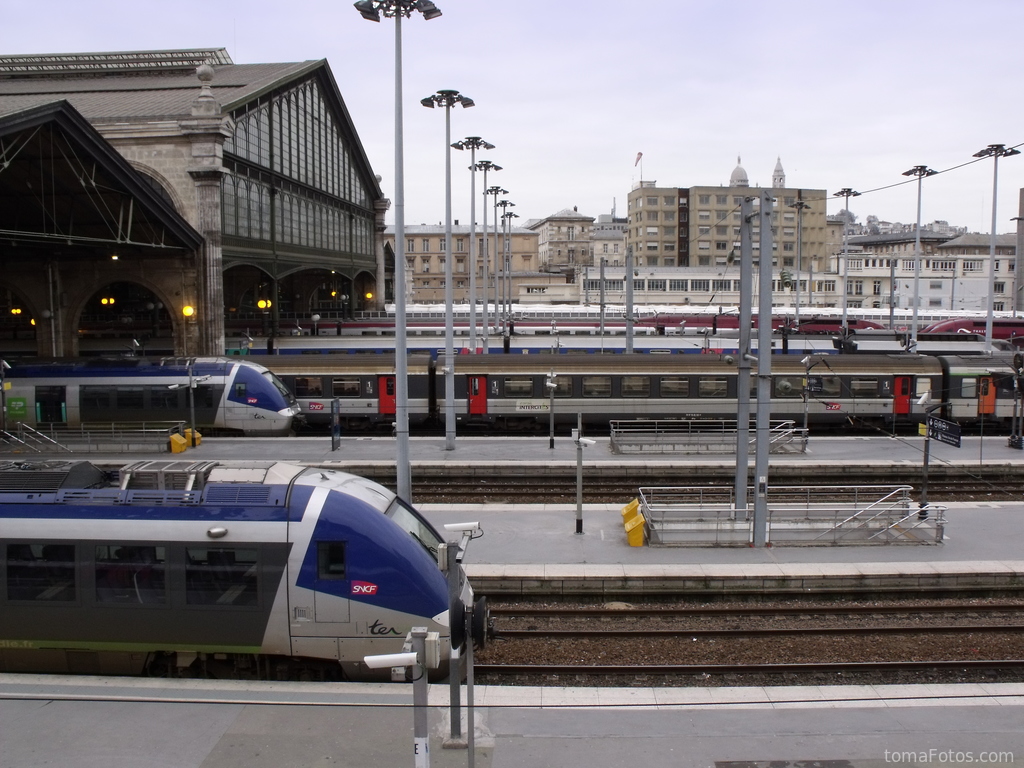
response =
{"points": [[188, 310]]}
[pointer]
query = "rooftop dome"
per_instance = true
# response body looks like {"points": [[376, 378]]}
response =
{"points": [[739, 176]]}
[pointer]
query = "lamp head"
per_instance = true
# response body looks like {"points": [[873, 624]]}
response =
{"points": [[367, 10], [427, 8]]}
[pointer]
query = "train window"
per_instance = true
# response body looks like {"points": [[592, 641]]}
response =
{"points": [[923, 384], [43, 572], [675, 386], [597, 386], [129, 397], [93, 397], [863, 387], [789, 386], [330, 560], [345, 387], [519, 386], [164, 398], [712, 386], [130, 574], [206, 396], [309, 386], [410, 520], [968, 387], [563, 386], [636, 386], [220, 576], [831, 386]]}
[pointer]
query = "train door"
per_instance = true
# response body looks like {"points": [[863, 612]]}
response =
{"points": [[477, 395], [902, 393], [330, 604], [986, 396], [386, 395], [51, 405]]}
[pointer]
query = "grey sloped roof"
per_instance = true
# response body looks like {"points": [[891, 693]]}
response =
{"points": [[976, 240], [106, 96]]}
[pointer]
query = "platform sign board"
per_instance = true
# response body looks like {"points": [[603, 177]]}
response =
{"points": [[815, 384], [947, 432]]}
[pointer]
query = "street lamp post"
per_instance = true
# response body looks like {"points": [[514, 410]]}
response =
{"points": [[495, 192], [371, 10], [995, 151], [448, 99], [485, 166], [507, 270], [846, 193], [920, 171], [499, 317], [473, 143]]}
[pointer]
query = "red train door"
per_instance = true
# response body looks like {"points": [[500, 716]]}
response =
{"points": [[986, 396], [477, 395], [386, 395], [902, 390]]}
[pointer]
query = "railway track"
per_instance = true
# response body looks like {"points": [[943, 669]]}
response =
{"points": [[761, 644], [616, 484]]}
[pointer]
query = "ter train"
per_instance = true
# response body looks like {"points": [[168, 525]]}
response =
{"points": [[229, 395], [509, 391], [260, 568]]}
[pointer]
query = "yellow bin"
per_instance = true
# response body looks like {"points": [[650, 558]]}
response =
{"points": [[630, 510], [635, 531], [188, 436], [178, 444]]}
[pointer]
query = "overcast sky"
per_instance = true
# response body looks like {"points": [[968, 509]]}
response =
{"points": [[847, 94]]}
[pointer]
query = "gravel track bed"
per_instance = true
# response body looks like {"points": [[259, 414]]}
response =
{"points": [[960, 644]]}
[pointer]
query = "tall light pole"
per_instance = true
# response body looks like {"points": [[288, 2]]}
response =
{"points": [[508, 216], [485, 165], [496, 192], [920, 171], [846, 193], [448, 99], [995, 151], [371, 10], [800, 206], [473, 143], [504, 205]]}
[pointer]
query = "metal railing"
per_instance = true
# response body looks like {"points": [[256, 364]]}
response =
{"points": [[91, 437], [698, 436], [826, 515]]}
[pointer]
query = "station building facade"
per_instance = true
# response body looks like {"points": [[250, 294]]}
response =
{"points": [[169, 198]]}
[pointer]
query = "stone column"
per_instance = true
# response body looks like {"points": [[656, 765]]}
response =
{"points": [[207, 129], [380, 207]]}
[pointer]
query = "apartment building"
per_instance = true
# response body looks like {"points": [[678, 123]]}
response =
{"points": [[425, 255]]}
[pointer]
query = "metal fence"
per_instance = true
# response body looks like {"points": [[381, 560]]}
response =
{"points": [[698, 436], [797, 515]]}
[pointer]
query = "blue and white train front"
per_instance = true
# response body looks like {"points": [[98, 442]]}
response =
{"points": [[363, 570]]}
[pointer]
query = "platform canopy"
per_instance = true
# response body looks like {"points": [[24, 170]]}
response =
{"points": [[62, 184]]}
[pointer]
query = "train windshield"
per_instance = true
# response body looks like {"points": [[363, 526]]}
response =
{"points": [[411, 520], [280, 387]]}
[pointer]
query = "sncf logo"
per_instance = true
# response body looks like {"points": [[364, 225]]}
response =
{"points": [[316, 406], [363, 588], [251, 400]]}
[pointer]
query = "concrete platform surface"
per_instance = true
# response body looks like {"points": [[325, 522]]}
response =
{"points": [[116, 723]]}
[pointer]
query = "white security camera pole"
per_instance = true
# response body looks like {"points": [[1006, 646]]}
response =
{"points": [[629, 298], [417, 660], [744, 358], [764, 373]]}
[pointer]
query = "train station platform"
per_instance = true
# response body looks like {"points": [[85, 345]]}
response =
{"points": [[82, 722], [116, 722]]}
